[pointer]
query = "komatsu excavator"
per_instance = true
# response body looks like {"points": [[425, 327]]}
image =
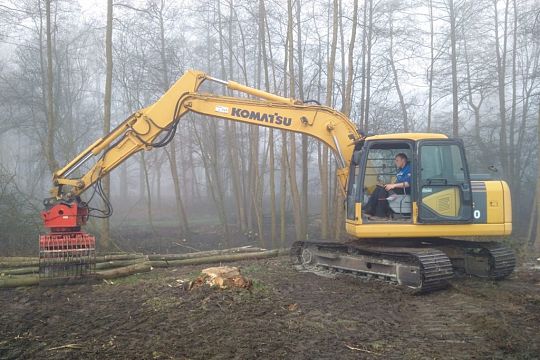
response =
{"points": [[444, 225]]}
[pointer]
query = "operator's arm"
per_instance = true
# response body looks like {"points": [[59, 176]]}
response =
{"points": [[399, 185], [155, 126]]}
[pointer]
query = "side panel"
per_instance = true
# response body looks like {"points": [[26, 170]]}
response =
{"points": [[489, 203], [495, 202], [479, 202], [507, 204], [492, 217], [369, 231]]}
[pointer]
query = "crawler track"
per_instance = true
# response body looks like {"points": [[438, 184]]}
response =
{"points": [[502, 261], [422, 269], [490, 260]]}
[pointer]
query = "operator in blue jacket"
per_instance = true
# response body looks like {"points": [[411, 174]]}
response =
{"points": [[377, 204], [403, 177]]}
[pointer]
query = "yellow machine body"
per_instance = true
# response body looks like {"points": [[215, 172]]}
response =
{"points": [[491, 206]]}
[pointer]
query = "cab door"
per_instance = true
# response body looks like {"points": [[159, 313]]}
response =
{"points": [[444, 185]]}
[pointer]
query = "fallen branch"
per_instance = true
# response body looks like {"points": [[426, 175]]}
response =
{"points": [[199, 254], [117, 263], [219, 258], [20, 271], [5, 263], [16, 281], [106, 258], [11, 259], [124, 271], [27, 262]]}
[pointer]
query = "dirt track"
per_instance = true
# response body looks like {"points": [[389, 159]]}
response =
{"points": [[287, 315]]}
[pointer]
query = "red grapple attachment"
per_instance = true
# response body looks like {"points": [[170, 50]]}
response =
{"points": [[66, 254], [65, 216]]}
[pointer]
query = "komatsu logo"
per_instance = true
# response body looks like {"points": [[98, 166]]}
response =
{"points": [[274, 118]]}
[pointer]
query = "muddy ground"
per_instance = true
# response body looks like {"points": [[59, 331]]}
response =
{"points": [[287, 315]]}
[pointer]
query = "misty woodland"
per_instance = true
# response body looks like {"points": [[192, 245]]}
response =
{"points": [[70, 71]]}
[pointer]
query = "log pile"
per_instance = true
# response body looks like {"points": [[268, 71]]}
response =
{"points": [[208, 258], [24, 271]]}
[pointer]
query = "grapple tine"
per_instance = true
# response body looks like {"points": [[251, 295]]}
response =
{"points": [[66, 257]]}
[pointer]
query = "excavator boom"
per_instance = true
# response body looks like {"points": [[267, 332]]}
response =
{"points": [[141, 130]]}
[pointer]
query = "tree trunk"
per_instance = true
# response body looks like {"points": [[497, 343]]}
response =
{"points": [[297, 208], [124, 271], [271, 150], [199, 254], [106, 181], [368, 67], [209, 159], [51, 116], [148, 192], [305, 175], [283, 190], [329, 102], [347, 101], [363, 91], [537, 243], [295, 195], [432, 63], [396, 81], [501, 72], [218, 258], [513, 162], [455, 120]]}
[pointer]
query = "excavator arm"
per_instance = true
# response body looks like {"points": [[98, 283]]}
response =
{"points": [[155, 126]]}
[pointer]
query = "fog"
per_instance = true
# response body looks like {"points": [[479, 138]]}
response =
{"points": [[467, 69]]}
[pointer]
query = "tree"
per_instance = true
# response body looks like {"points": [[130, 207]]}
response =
{"points": [[537, 197], [51, 120], [395, 74], [501, 78], [105, 231], [453, 58]]}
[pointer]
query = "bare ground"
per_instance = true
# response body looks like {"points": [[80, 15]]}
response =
{"points": [[287, 315]]}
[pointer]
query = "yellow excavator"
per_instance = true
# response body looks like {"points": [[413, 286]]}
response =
{"points": [[444, 224]]}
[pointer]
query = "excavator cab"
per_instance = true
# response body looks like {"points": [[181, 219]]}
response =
{"points": [[440, 188]]}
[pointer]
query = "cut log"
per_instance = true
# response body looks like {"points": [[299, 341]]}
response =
{"points": [[218, 258], [124, 271], [117, 263], [199, 254], [16, 259], [25, 262], [20, 263], [16, 281], [106, 258], [20, 271]]}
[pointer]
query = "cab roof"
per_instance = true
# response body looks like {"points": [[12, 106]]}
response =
{"points": [[407, 136]]}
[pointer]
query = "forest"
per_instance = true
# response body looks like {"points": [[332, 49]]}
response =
{"points": [[316, 272], [71, 71]]}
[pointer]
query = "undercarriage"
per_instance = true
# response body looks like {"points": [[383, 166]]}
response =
{"points": [[423, 265]]}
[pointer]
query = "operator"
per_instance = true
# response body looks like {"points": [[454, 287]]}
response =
{"points": [[377, 204], [403, 177]]}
